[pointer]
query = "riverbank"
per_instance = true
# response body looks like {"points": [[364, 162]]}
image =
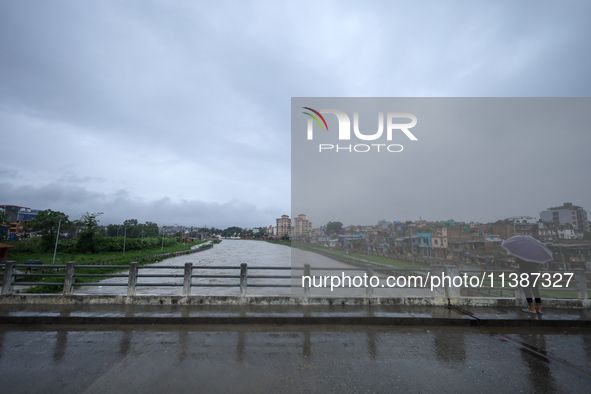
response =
{"points": [[143, 257], [361, 257]]}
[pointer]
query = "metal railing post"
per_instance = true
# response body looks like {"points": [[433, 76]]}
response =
{"points": [[187, 279], [69, 279], [132, 279], [7, 281], [307, 285], [369, 288], [581, 282], [243, 283]]}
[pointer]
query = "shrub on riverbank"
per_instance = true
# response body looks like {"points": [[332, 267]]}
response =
{"points": [[101, 244], [143, 257]]}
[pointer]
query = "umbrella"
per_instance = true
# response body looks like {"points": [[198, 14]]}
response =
{"points": [[527, 248]]}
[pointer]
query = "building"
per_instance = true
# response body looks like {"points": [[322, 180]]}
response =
{"points": [[504, 230], [17, 218], [442, 238], [551, 234], [384, 223], [530, 229], [567, 214], [283, 227], [524, 225], [302, 227], [425, 245]]}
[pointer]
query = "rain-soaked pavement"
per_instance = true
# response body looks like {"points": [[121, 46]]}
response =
{"points": [[292, 359], [119, 349]]}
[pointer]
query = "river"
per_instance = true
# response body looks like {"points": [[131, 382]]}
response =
{"points": [[232, 253]]}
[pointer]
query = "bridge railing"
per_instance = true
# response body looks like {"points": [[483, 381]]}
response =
{"points": [[494, 283], [135, 278], [190, 275]]}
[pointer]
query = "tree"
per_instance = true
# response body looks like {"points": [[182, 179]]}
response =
{"points": [[334, 228], [150, 229], [359, 244], [587, 235], [113, 230], [47, 222], [3, 219], [232, 231], [86, 237], [130, 228]]}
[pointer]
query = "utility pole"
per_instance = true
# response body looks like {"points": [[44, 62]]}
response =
{"points": [[57, 237], [412, 249], [124, 235]]}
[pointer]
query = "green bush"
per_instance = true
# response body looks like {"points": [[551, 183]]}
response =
{"points": [[66, 246], [106, 244], [85, 244], [28, 245]]}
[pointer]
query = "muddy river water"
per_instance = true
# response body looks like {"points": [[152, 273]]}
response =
{"points": [[231, 253]]}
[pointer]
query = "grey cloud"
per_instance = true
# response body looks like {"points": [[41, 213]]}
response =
{"points": [[191, 101], [8, 173], [475, 160], [120, 205], [70, 177]]}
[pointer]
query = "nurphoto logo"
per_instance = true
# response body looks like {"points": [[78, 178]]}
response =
{"points": [[345, 130]]}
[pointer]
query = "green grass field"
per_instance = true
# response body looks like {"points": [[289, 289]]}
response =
{"points": [[117, 258], [376, 259], [80, 258]]}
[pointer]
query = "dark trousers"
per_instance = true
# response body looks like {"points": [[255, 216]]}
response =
{"points": [[525, 267]]}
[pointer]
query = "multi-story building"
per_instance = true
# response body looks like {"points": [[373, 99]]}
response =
{"points": [[17, 218], [442, 238], [551, 233], [524, 225], [439, 243], [567, 214], [283, 226], [504, 230], [302, 227]]}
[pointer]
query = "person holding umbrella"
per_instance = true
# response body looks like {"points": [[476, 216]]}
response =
{"points": [[529, 253], [527, 267]]}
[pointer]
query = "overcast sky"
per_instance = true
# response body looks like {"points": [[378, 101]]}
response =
{"points": [[475, 159], [179, 111]]}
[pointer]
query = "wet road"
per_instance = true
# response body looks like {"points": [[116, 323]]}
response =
{"points": [[289, 359], [232, 253]]}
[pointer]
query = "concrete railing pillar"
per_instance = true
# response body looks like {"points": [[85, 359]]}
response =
{"points": [[7, 281], [69, 279], [187, 279], [243, 278], [452, 271], [581, 283], [519, 294], [132, 279], [369, 289], [437, 271], [307, 284]]}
